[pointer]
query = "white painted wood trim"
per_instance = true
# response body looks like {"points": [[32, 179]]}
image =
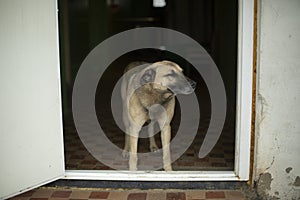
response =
{"points": [[151, 175], [244, 88]]}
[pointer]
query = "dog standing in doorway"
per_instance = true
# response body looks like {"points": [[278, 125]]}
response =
{"points": [[148, 93]]}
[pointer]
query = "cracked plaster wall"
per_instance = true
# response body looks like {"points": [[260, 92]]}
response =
{"points": [[277, 148]]}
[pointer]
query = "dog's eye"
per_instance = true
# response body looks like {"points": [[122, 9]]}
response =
{"points": [[173, 74]]}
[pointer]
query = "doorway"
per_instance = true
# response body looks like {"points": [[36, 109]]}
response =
{"points": [[213, 24], [40, 119]]}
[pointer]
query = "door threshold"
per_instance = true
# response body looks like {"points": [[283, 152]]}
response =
{"points": [[114, 175]]}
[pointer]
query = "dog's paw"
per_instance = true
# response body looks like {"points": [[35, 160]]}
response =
{"points": [[133, 168], [168, 168], [125, 154], [154, 148]]}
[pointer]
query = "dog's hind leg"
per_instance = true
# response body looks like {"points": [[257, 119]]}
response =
{"points": [[153, 147]]}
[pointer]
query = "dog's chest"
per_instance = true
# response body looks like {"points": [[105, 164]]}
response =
{"points": [[149, 98]]}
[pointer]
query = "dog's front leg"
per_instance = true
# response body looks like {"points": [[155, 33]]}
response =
{"points": [[165, 140], [125, 153], [133, 141], [153, 146]]}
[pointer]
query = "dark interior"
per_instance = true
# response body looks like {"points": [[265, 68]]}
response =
{"points": [[212, 23]]}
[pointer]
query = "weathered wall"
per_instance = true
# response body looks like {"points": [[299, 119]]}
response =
{"points": [[277, 159]]}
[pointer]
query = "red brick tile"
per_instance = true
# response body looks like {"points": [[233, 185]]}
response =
{"points": [[176, 196], [156, 195], [195, 194], [61, 194], [137, 196], [118, 195], [80, 194], [27, 194], [99, 195], [77, 199], [215, 195], [234, 195], [42, 193]]}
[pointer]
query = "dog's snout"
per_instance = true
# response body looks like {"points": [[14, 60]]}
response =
{"points": [[191, 82]]}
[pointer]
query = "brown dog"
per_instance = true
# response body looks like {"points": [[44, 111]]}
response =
{"points": [[148, 93]]}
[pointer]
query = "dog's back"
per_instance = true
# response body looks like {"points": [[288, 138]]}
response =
{"points": [[134, 64]]}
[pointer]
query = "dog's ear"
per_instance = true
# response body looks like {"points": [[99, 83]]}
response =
{"points": [[148, 76]]}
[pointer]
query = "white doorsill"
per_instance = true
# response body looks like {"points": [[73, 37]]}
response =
{"points": [[116, 175]]}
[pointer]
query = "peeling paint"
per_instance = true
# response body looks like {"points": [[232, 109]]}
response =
{"points": [[288, 170], [262, 107], [265, 181], [297, 181]]}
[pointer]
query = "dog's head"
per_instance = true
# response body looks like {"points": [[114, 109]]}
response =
{"points": [[167, 75]]}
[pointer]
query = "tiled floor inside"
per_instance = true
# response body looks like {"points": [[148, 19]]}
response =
{"points": [[76, 193], [220, 158]]}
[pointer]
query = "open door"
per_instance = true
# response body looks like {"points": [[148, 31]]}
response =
{"points": [[31, 149]]}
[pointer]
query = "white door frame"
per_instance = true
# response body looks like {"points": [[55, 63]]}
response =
{"points": [[243, 121]]}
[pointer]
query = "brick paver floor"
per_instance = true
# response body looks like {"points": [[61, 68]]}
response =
{"points": [[120, 194]]}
